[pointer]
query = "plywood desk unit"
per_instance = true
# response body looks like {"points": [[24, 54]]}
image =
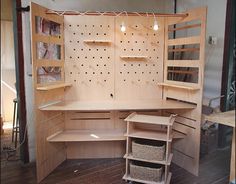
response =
{"points": [[89, 76]]}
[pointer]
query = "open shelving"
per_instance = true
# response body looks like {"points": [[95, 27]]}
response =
{"points": [[158, 134]]}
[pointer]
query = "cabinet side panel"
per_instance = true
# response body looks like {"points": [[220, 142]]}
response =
{"points": [[48, 156]]}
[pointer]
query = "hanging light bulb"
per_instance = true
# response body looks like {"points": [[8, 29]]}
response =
{"points": [[155, 26], [123, 28]]}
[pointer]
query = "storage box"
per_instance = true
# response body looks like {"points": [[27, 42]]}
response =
{"points": [[146, 171], [148, 150]]}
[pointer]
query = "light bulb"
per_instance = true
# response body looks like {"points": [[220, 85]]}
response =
{"points": [[155, 26], [123, 28]]}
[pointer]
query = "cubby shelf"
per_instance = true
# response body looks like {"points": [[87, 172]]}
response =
{"points": [[127, 177], [97, 41], [178, 86], [86, 135], [53, 86], [134, 57], [148, 119], [163, 162], [149, 134]]}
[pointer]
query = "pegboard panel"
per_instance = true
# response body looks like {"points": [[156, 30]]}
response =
{"points": [[139, 58], [89, 57]]}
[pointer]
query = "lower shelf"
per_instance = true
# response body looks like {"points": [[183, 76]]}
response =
{"points": [[87, 135], [127, 177], [168, 162]]}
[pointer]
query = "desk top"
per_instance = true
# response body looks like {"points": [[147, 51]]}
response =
{"points": [[224, 118], [116, 105]]}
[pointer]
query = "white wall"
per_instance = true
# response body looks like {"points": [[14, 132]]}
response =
{"points": [[8, 74], [79, 5], [214, 53]]}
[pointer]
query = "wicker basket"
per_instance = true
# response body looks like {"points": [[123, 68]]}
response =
{"points": [[148, 150], [146, 171]]}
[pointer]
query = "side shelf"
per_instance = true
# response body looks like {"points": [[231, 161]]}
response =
{"points": [[178, 86], [53, 86]]}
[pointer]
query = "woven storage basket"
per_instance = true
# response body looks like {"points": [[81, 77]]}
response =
{"points": [[145, 171], [148, 150]]}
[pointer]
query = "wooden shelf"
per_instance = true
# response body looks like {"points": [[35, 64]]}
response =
{"points": [[127, 177], [53, 86], [134, 57], [148, 119], [87, 135], [97, 41], [117, 105], [178, 86], [149, 134], [163, 162]]}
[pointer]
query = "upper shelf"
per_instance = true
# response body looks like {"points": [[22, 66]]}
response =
{"points": [[134, 57], [86, 135], [157, 120], [178, 86], [53, 86], [97, 41], [116, 105]]}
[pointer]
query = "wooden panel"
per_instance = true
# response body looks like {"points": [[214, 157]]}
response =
{"points": [[89, 57], [138, 58], [96, 150], [48, 156], [186, 150]]}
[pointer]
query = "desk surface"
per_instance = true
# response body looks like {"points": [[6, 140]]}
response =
{"points": [[224, 118], [117, 105]]}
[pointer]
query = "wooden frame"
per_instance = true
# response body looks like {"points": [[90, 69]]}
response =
{"points": [[106, 75]]}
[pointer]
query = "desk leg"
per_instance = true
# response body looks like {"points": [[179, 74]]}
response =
{"points": [[232, 164]]}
